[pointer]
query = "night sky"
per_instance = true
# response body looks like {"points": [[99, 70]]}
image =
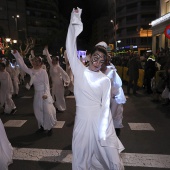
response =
{"points": [[92, 9]]}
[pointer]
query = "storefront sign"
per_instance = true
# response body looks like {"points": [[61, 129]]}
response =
{"points": [[167, 31]]}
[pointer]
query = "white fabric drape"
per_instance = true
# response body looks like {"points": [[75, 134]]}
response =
{"points": [[44, 110], [117, 96], [6, 150], [94, 144], [58, 77]]}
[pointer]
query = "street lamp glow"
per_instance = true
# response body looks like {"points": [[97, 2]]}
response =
{"points": [[111, 21], [119, 41], [17, 16], [8, 39], [14, 41]]}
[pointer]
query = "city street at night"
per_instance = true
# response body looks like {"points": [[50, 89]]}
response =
{"points": [[85, 85], [145, 135]]}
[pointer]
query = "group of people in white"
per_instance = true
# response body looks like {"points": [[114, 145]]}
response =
{"points": [[99, 101]]}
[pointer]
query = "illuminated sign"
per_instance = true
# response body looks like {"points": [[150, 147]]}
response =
{"points": [[167, 31], [161, 19]]}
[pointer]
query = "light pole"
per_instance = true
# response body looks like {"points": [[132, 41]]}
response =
{"points": [[16, 24], [119, 41], [114, 26]]}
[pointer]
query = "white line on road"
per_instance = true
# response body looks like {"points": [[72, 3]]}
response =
{"points": [[15, 123], [65, 156], [141, 126]]}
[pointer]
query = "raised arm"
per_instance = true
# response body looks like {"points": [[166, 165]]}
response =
{"points": [[75, 28], [21, 62], [47, 54]]}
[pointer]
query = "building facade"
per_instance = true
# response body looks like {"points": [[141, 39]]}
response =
{"points": [[39, 19], [159, 40], [12, 18], [131, 20], [100, 30]]}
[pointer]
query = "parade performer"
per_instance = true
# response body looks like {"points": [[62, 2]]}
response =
{"points": [[12, 70], [6, 91], [70, 74], [117, 95], [59, 79], [6, 150], [44, 109], [94, 144]]}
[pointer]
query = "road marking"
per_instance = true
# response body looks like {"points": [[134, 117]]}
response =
{"points": [[26, 97], [141, 126], [59, 124], [70, 97], [146, 160], [127, 97], [47, 155], [14, 123], [65, 156]]}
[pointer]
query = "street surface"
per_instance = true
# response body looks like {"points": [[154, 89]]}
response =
{"points": [[146, 135]]}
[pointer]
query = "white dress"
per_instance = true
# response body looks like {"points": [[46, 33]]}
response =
{"points": [[58, 77], [6, 91], [94, 144], [14, 77], [6, 150], [117, 96], [44, 110], [70, 73]]}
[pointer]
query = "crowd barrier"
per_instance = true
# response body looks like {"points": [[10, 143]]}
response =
{"points": [[122, 71]]}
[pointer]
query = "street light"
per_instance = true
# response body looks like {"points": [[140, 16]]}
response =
{"points": [[8, 40], [16, 23], [119, 41], [14, 41]]}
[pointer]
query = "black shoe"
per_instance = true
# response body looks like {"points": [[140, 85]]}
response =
{"points": [[49, 132], [41, 130], [13, 111], [117, 132]]}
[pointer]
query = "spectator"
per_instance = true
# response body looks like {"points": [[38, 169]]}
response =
{"points": [[133, 72]]}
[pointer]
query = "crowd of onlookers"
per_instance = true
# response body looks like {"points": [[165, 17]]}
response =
{"points": [[156, 72]]}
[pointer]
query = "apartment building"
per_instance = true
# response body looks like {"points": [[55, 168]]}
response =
{"points": [[160, 26]]}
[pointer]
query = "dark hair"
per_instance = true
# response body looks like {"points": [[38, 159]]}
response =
{"points": [[101, 49], [56, 58], [39, 59], [2, 65]]}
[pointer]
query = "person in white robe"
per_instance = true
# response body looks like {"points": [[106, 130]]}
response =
{"points": [[94, 143], [70, 74], [59, 78], [44, 109], [117, 95], [14, 76], [22, 75], [6, 91], [6, 150]]}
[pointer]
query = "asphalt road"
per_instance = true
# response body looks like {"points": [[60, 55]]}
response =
{"points": [[146, 135]]}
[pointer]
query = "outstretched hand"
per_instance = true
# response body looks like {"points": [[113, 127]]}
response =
{"points": [[45, 51], [14, 51]]}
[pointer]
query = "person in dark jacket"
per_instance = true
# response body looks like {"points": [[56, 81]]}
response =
{"points": [[133, 71], [150, 70]]}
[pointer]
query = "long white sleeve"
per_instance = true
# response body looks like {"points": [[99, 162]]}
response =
{"points": [[75, 28], [21, 63], [49, 60]]}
